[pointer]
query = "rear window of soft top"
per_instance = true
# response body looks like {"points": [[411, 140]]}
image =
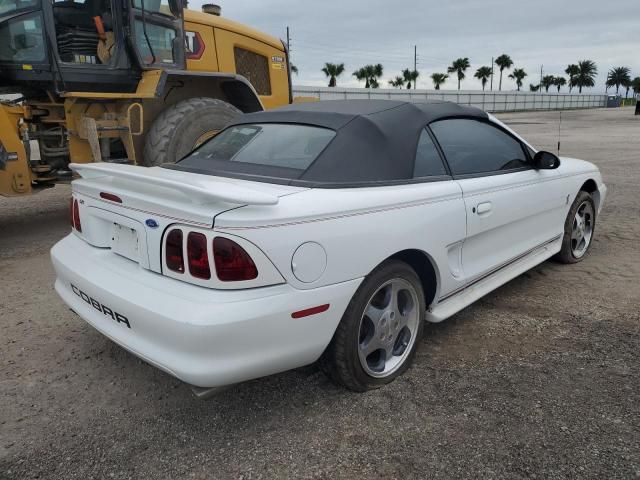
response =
{"points": [[262, 150]]}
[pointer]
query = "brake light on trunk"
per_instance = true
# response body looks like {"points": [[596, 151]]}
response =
{"points": [[111, 197], [197, 256], [76, 216], [232, 262], [173, 251]]}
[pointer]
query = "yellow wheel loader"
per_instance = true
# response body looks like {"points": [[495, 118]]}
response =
{"points": [[135, 81]]}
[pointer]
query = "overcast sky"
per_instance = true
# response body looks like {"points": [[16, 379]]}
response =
{"points": [[553, 33]]}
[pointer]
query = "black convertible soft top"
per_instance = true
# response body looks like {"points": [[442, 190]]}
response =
{"points": [[337, 114], [375, 141]]}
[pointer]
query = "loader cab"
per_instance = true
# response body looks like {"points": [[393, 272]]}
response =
{"points": [[88, 45], [158, 33]]}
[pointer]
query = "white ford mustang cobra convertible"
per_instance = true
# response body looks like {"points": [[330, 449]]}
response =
{"points": [[328, 231]]}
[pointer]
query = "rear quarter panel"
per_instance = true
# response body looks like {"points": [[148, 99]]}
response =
{"points": [[358, 228]]}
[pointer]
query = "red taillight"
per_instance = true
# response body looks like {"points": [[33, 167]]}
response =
{"points": [[173, 251], [71, 211], [76, 216], [197, 256], [233, 263]]}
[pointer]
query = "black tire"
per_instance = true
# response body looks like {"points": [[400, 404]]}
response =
{"points": [[566, 254], [176, 130], [340, 361]]}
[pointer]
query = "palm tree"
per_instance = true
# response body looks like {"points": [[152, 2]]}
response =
{"points": [[370, 74], [483, 74], [375, 72], [518, 75], [294, 69], [458, 67], [547, 81], [559, 82], [360, 74], [438, 79], [503, 61], [635, 84], [397, 82], [587, 71], [333, 71], [534, 88], [410, 76], [572, 70], [618, 76]]}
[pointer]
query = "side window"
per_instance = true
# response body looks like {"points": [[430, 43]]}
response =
{"points": [[157, 44], [428, 161], [157, 30], [471, 146]]}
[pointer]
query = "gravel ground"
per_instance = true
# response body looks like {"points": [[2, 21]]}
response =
{"points": [[540, 379]]}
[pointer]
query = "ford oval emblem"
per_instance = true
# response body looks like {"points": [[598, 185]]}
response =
{"points": [[151, 223]]}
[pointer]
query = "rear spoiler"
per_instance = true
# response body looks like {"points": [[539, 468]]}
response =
{"points": [[198, 191]]}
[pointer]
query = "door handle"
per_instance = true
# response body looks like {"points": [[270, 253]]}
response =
{"points": [[484, 207]]}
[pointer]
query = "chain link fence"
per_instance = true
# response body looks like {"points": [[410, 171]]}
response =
{"points": [[488, 101]]}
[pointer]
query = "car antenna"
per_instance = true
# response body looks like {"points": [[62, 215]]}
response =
{"points": [[559, 127]]}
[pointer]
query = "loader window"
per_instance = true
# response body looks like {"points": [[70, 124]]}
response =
{"points": [[158, 34], [161, 40], [7, 6], [84, 31], [154, 6], [22, 40]]}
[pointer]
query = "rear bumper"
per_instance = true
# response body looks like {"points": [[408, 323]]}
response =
{"points": [[204, 337]]}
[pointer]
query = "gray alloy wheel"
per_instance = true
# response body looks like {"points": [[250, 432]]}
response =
{"points": [[582, 229], [579, 228], [379, 332], [388, 328]]}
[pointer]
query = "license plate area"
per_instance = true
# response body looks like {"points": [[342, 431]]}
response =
{"points": [[125, 242]]}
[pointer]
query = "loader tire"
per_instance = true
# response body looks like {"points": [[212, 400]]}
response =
{"points": [[183, 126]]}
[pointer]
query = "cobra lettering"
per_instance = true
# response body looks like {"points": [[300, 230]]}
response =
{"points": [[118, 317]]}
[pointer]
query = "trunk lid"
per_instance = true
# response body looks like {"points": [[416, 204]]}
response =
{"points": [[127, 208]]}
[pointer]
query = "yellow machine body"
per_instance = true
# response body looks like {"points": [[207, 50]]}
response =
{"points": [[220, 53]]}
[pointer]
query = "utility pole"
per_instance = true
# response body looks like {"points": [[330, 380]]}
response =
{"points": [[491, 88], [415, 63], [288, 42], [540, 86]]}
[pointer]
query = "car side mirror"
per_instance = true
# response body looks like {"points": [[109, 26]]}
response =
{"points": [[545, 161]]}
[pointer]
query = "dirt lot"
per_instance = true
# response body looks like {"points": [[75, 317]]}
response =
{"points": [[540, 379]]}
